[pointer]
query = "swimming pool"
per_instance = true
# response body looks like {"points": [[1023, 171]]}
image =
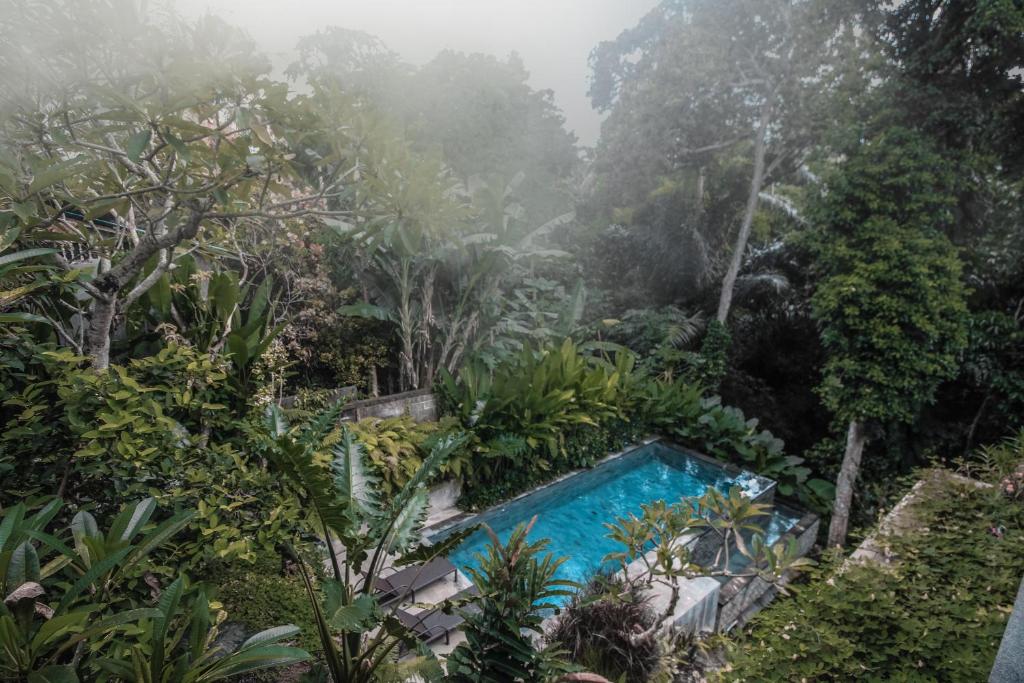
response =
{"points": [[572, 513]]}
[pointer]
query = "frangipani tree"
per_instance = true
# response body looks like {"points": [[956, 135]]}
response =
{"points": [[126, 154]]}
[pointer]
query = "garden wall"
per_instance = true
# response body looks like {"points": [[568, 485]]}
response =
{"points": [[420, 404]]}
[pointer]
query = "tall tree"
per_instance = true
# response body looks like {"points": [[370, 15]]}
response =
{"points": [[717, 78], [890, 304]]}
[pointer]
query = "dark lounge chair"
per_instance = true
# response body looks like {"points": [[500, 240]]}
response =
{"points": [[405, 582], [433, 624]]}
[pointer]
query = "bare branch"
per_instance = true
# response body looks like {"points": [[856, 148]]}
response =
{"points": [[144, 285]]}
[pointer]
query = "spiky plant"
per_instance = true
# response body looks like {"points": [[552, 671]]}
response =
{"points": [[599, 630], [517, 585]]}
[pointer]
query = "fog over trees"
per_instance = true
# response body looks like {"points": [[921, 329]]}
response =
{"points": [[286, 290]]}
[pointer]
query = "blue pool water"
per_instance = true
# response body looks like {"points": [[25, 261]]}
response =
{"points": [[572, 513]]}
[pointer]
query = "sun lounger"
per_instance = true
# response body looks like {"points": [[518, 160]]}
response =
{"points": [[433, 624], [405, 582]]}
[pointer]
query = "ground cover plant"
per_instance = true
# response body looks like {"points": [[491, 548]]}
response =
{"points": [[937, 613]]}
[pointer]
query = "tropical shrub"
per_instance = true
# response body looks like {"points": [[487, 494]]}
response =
{"points": [[517, 583], [396, 446], [599, 630], [682, 411], [551, 411], [538, 415], [92, 627], [214, 313], [159, 426]]}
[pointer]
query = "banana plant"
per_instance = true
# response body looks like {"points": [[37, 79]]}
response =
{"points": [[360, 637]]}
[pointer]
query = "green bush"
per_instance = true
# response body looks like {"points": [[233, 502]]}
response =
{"points": [[263, 593], [158, 426], [548, 412], [540, 414], [396, 447], [82, 604], [937, 614], [517, 585]]}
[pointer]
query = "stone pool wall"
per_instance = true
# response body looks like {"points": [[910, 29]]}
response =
{"points": [[741, 597]]}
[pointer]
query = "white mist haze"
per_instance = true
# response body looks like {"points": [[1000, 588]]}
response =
{"points": [[553, 38]]}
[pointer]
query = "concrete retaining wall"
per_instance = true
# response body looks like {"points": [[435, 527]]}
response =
{"points": [[1009, 666], [420, 404]]}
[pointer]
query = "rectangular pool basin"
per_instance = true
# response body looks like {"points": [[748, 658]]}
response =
{"points": [[572, 512]]}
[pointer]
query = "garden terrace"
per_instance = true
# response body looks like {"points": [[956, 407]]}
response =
{"points": [[928, 598]]}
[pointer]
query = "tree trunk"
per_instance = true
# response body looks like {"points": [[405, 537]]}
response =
{"points": [[969, 443], [855, 439], [756, 182], [101, 319], [374, 387]]}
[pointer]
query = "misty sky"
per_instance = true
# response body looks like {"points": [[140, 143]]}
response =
{"points": [[554, 37]]}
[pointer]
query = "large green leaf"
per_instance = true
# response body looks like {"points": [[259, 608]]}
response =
{"points": [[168, 607], [22, 318], [253, 659], [131, 520], [54, 674], [137, 142], [356, 486], [26, 254], [271, 635], [160, 535], [23, 566], [239, 349], [365, 310]]}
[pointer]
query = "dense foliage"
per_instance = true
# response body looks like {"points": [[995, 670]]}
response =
{"points": [[73, 606], [517, 582], [551, 410], [809, 211], [937, 613]]}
